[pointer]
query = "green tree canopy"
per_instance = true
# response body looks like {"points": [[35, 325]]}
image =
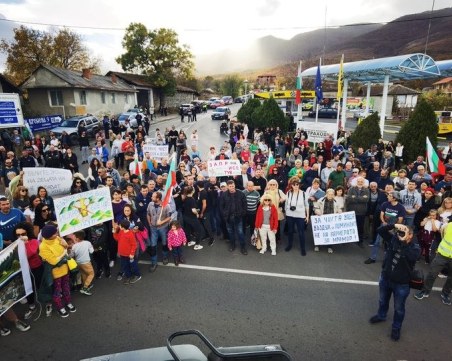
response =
{"points": [[421, 124], [367, 132], [244, 115], [231, 85], [157, 54], [31, 48], [270, 115], [437, 99]]}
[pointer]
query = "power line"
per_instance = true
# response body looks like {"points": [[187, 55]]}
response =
{"points": [[249, 29]]}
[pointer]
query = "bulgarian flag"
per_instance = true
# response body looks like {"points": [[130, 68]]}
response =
{"points": [[136, 166], [299, 86], [170, 182], [434, 163], [271, 162]]}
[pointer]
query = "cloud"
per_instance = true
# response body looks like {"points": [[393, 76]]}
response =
{"points": [[268, 8]]}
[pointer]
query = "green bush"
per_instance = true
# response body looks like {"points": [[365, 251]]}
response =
{"points": [[367, 132]]}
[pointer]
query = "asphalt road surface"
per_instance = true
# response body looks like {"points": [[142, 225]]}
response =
{"points": [[316, 306]]}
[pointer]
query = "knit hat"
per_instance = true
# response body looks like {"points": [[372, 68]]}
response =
{"points": [[48, 231]]}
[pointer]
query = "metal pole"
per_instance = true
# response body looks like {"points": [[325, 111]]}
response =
{"points": [[368, 98], [344, 103], [383, 105]]}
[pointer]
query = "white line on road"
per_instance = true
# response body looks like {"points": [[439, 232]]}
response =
{"points": [[278, 275]]}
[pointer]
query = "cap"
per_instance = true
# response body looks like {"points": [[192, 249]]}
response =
{"points": [[355, 170], [48, 231], [223, 184]]}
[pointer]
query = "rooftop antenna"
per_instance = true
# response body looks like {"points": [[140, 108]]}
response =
{"points": [[429, 26]]}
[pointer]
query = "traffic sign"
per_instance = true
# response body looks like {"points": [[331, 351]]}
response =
{"points": [[10, 111]]}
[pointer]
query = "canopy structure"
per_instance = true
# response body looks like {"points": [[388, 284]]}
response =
{"points": [[382, 70]]}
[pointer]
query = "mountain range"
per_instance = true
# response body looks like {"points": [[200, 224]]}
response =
{"points": [[404, 35]]}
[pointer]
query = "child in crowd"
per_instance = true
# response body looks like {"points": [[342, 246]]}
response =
{"points": [[176, 238], [81, 251], [127, 246], [431, 231], [53, 250], [98, 238]]}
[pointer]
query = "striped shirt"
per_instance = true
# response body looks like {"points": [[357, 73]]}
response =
{"points": [[252, 200]]}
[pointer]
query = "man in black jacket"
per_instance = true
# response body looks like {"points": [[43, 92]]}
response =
{"points": [[233, 210], [400, 258]]}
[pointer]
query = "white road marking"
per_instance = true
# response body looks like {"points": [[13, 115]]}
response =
{"points": [[277, 275]]}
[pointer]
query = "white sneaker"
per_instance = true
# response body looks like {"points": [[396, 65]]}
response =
{"points": [[274, 253], [191, 243], [112, 264], [197, 247], [316, 249], [262, 251], [330, 250]]}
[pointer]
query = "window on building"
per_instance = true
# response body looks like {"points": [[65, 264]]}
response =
{"points": [[56, 97], [102, 97], [82, 97], [113, 98], [126, 98]]}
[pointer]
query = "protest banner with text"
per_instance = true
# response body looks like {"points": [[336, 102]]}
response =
{"points": [[317, 132], [223, 168], [334, 229], [157, 152], [56, 181]]}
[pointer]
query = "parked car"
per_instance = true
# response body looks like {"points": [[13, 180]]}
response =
{"points": [[325, 113], [362, 114], [221, 113], [307, 106], [238, 100], [216, 103], [131, 116], [227, 99], [70, 126], [186, 108]]}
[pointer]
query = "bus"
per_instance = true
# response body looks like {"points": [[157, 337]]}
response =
{"points": [[444, 119]]}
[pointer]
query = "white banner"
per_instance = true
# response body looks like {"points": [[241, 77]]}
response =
{"points": [[56, 181], [157, 151], [317, 132], [222, 168], [334, 228], [15, 281], [83, 210]]}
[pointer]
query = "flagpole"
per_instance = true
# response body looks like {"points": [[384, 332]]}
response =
{"points": [[340, 91], [300, 88]]}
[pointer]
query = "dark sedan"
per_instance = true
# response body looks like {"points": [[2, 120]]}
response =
{"points": [[324, 113], [221, 113]]}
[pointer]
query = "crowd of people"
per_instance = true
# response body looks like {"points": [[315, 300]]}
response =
{"points": [[272, 201]]}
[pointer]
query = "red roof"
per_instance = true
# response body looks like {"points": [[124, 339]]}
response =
{"points": [[443, 81]]}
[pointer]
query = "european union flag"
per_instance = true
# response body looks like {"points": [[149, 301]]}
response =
{"points": [[318, 86]]}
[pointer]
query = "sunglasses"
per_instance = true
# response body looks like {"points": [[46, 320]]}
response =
{"points": [[295, 184], [24, 190], [267, 200], [78, 182], [45, 210], [21, 234]]}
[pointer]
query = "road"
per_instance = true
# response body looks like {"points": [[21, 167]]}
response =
{"points": [[316, 306]]}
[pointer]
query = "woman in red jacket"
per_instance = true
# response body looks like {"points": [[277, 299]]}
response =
{"points": [[267, 223]]}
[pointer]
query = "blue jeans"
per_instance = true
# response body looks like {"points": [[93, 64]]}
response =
{"points": [[214, 221], [300, 223], [129, 268], [401, 292], [157, 233], [233, 225], [376, 247]]}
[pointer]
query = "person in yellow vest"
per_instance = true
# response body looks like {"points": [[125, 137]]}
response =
{"points": [[443, 259], [53, 250]]}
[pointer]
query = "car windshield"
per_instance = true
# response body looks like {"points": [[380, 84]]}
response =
{"points": [[134, 110], [69, 123], [123, 117], [221, 110]]}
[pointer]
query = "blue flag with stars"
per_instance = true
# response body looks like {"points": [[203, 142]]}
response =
{"points": [[318, 86]]}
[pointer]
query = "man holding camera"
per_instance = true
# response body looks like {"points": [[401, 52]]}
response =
{"points": [[400, 258]]}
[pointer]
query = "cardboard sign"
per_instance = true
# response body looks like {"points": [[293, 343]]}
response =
{"points": [[334, 229], [83, 210], [56, 181], [317, 132], [223, 168], [157, 151]]}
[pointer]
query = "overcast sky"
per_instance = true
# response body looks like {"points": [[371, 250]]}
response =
{"points": [[206, 26]]}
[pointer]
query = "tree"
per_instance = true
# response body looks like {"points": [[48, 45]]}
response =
{"points": [[270, 115], [437, 99], [367, 132], [244, 115], [157, 54], [421, 124], [231, 85], [31, 48]]}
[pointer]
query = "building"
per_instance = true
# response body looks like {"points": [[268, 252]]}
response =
{"points": [[50, 90], [6, 86], [444, 86]]}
